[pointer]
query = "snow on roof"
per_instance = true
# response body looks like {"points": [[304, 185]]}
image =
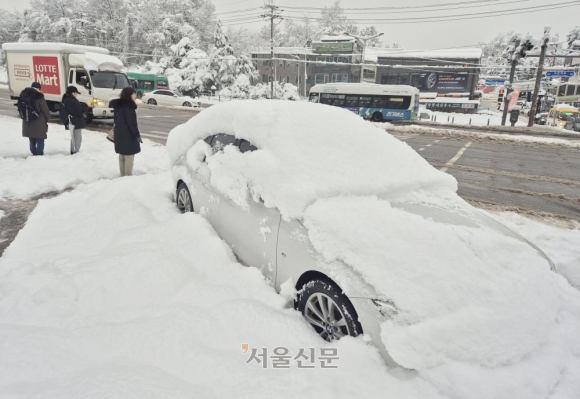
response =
{"points": [[458, 53], [337, 38], [50, 47], [307, 151], [96, 62]]}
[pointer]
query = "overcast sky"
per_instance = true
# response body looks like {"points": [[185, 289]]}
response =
{"points": [[423, 35]]}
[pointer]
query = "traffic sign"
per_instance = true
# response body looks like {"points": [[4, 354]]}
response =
{"points": [[560, 73]]}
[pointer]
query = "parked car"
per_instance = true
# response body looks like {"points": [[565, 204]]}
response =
{"points": [[293, 187], [541, 118], [168, 97]]}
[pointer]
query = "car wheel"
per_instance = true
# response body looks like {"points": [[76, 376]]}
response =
{"points": [[152, 101], [328, 310], [184, 203], [187, 104], [377, 117]]}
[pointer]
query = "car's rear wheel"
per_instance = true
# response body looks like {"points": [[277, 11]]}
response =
{"points": [[328, 310], [152, 101], [187, 104], [184, 203], [377, 117]]}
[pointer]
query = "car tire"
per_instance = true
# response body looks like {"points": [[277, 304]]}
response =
{"points": [[187, 104], [183, 198], [377, 117], [152, 101], [327, 309]]}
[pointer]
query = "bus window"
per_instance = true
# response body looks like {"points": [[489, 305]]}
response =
{"points": [[148, 85], [332, 99], [352, 101], [398, 102], [365, 101], [379, 102]]}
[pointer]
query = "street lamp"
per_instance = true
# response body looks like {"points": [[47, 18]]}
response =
{"points": [[297, 57], [363, 39]]}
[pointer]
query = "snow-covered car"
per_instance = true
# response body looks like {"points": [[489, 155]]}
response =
{"points": [[368, 236], [168, 97]]}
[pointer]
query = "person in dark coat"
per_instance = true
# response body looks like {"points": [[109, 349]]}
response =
{"points": [[127, 136], [36, 130], [76, 118]]}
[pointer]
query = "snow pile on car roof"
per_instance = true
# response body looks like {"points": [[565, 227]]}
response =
{"points": [[307, 151]]}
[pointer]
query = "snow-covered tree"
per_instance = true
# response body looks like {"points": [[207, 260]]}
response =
{"points": [[572, 37], [333, 21]]}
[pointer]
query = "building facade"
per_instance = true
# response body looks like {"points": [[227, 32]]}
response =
{"points": [[447, 79], [326, 61]]}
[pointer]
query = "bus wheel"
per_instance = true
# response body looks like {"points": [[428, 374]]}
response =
{"points": [[377, 117]]}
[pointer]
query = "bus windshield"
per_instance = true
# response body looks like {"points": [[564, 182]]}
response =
{"points": [[109, 80]]}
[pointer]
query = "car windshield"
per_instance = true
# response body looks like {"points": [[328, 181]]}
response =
{"points": [[109, 80]]}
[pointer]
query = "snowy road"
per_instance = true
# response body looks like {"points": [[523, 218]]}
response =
{"points": [[532, 178]]}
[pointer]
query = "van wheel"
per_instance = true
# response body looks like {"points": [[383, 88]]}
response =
{"points": [[377, 117], [328, 310]]}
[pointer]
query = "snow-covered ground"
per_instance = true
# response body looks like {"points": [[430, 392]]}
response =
{"points": [[109, 292], [483, 118], [24, 176]]}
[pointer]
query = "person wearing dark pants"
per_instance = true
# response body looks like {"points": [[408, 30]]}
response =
{"points": [[76, 118], [36, 146], [127, 136], [36, 129]]}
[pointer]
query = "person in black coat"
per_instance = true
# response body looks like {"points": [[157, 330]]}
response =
{"points": [[75, 116], [127, 136]]}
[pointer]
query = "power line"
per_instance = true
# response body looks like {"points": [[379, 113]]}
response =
{"points": [[459, 17], [492, 3]]}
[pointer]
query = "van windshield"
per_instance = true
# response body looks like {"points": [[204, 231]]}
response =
{"points": [[109, 80]]}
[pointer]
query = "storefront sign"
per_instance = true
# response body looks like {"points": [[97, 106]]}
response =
{"points": [[333, 47]]}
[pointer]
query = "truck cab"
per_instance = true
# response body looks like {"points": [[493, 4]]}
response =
{"points": [[97, 75]]}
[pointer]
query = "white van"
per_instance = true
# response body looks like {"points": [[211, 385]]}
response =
{"points": [[96, 74]]}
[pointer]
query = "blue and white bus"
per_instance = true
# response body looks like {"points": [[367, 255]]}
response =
{"points": [[371, 101]]}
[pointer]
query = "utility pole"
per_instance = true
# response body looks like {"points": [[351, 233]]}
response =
{"points": [[271, 12], [540, 72], [363, 40], [509, 88]]}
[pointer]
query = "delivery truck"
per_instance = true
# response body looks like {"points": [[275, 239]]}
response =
{"points": [[97, 75]]}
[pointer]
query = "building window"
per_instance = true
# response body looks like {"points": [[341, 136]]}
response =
{"points": [[369, 74], [265, 62], [389, 79], [265, 79], [339, 77], [403, 79], [416, 80], [321, 78]]}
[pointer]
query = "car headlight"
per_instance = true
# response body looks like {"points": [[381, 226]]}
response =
{"points": [[387, 308], [98, 103]]}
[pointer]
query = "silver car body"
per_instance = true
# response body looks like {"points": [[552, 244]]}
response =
{"points": [[260, 237]]}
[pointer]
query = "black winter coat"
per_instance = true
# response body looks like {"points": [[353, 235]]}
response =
{"points": [[126, 130], [73, 107], [37, 128]]}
